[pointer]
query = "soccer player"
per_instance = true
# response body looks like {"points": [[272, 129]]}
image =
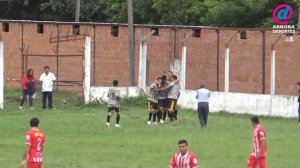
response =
{"points": [[183, 158], [173, 96], [114, 104], [35, 140], [162, 100], [170, 74], [152, 101], [257, 158]]}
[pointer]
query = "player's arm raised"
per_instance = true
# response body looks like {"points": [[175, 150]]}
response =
{"points": [[148, 90], [25, 156], [167, 87]]}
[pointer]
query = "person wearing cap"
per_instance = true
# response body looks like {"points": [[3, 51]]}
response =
{"points": [[47, 79]]}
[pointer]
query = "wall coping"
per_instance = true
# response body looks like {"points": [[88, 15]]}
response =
{"points": [[136, 25]]}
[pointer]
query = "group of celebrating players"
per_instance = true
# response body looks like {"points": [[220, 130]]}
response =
{"points": [[162, 99]]}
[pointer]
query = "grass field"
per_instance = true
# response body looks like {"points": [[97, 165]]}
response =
{"points": [[76, 137]]}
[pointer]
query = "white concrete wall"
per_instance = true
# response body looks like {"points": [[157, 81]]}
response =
{"points": [[242, 103], [100, 93], [238, 103], [87, 69]]}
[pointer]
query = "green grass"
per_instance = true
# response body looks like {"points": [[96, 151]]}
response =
{"points": [[76, 137]]}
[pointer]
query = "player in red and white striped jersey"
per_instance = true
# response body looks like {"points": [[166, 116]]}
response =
{"points": [[35, 140], [257, 158], [184, 158]]}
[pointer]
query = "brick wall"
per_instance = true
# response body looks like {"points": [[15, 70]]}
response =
{"points": [[62, 51]]}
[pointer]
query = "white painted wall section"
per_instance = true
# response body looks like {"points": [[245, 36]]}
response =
{"points": [[273, 72], [183, 68], [100, 93], [238, 103], [142, 79], [227, 65], [242, 103], [87, 70]]}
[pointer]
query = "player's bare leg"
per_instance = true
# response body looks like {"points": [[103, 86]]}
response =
{"points": [[160, 115], [171, 114], [149, 118], [108, 118], [118, 117], [154, 114], [175, 117], [164, 114]]}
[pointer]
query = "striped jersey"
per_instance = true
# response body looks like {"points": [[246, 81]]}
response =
{"points": [[112, 94], [189, 160], [258, 136], [36, 139], [153, 93], [174, 90], [163, 94]]}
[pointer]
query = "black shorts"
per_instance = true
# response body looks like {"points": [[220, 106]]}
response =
{"points": [[152, 106], [116, 109], [172, 105], [163, 103]]}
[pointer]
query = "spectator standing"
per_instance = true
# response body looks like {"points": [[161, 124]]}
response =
{"points": [[28, 88], [203, 96], [47, 79]]}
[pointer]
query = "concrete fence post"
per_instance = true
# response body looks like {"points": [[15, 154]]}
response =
{"points": [[142, 78], [227, 66], [87, 70]]}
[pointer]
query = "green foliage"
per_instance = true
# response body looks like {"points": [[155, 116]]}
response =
{"points": [[221, 13], [247, 13], [116, 10], [144, 13], [91, 10], [178, 12], [139, 101]]}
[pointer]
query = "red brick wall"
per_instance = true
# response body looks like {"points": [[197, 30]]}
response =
{"points": [[110, 56]]}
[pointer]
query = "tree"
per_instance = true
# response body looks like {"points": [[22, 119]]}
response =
{"points": [[116, 10], [20, 9], [144, 13], [246, 13], [91, 10], [220, 13], [179, 12]]}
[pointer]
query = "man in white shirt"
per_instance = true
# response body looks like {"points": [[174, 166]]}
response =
{"points": [[47, 79], [202, 96]]}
